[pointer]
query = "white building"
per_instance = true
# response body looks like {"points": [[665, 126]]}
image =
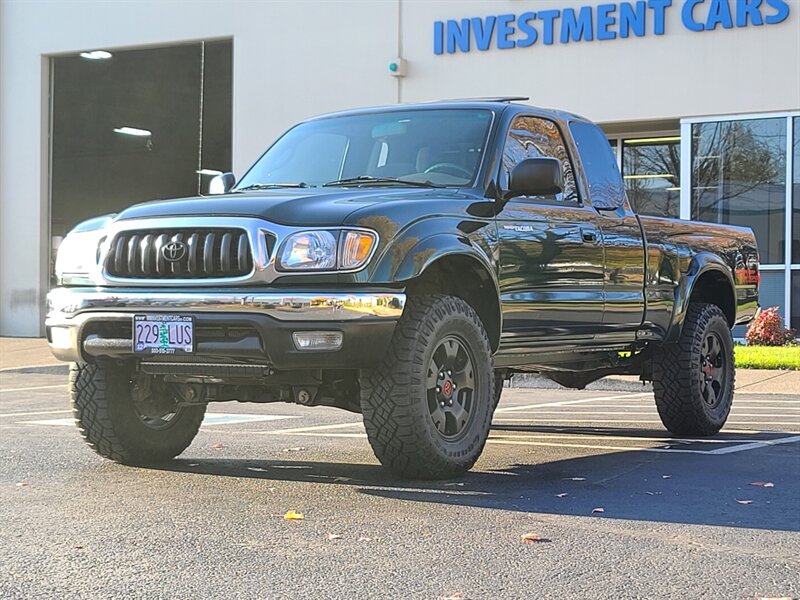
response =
{"points": [[103, 104]]}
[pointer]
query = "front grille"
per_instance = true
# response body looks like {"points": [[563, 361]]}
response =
{"points": [[200, 254]]}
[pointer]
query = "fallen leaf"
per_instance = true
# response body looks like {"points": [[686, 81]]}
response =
{"points": [[364, 538], [744, 501], [333, 536], [576, 478], [23, 484], [766, 484], [218, 446], [532, 538], [666, 477], [294, 516], [599, 509], [77, 547], [294, 449], [562, 495]]}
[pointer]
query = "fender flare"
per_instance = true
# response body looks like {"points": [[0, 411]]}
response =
{"points": [[699, 265], [432, 249]]}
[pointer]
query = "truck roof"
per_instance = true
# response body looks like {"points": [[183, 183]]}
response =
{"points": [[496, 104]]}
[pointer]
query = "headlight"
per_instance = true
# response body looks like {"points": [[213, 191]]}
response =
{"points": [[322, 250], [78, 255]]}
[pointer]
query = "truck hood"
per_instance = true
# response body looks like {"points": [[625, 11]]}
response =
{"points": [[294, 207]]}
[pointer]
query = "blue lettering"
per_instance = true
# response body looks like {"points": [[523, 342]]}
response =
{"points": [[719, 12], [525, 26], [438, 37], [579, 28], [782, 12], [505, 28], [605, 20], [687, 15], [457, 35], [483, 32], [549, 17], [748, 9], [632, 19], [659, 9]]}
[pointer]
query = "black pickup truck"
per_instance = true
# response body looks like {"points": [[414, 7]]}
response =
{"points": [[400, 262]]}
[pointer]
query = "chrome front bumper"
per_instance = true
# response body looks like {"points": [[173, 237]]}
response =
{"points": [[70, 310]]}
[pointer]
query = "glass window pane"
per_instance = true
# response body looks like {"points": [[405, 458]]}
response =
{"points": [[739, 178], [652, 173], [599, 165], [796, 192], [795, 318], [531, 137]]}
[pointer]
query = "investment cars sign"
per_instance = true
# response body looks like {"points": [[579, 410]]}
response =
{"points": [[601, 22]]}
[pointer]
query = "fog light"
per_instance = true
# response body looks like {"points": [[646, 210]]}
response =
{"points": [[318, 340], [60, 337]]}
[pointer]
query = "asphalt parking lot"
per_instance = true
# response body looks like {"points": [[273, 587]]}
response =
{"points": [[626, 510]]}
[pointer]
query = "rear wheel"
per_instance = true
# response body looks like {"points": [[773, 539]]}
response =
{"points": [[130, 420], [428, 407], [693, 379]]}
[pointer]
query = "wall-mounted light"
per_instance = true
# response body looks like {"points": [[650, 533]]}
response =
{"points": [[656, 140], [659, 176], [96, 55], [133, 131]]}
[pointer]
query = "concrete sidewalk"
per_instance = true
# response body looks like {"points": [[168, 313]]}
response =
{"points": [[22, 353]]}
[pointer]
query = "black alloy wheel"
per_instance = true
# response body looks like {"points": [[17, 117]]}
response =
{"points": [[451, 387]]}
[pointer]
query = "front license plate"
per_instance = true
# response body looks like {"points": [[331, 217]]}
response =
{"points": [[163, 334]]}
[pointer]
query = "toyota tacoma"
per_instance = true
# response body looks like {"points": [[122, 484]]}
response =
{"points": [[399, 262]]}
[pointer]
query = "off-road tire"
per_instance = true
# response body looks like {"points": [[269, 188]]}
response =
{"points": [[678, 376], [104, 412], [395, 401]]}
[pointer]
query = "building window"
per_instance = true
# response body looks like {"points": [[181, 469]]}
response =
{"points": [[739, 178], [651, 168], [135, 125], [796, 192]]}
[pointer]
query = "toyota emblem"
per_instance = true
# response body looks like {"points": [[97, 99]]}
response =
{"points": [[173, 251]]}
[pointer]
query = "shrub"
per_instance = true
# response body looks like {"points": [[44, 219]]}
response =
{"points": [[767, 329]]}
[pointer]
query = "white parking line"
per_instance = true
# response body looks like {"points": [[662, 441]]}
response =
{"points": [[732, 421], [313, 428], [38, 387], [647, 413], [717, 451], [31, 414], [567, 402]]}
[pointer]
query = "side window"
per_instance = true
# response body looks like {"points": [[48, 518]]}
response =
{"points": [[606, 189], [532, 137]]}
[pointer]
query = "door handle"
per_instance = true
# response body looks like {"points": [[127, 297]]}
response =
{"points": [[589, 235]]}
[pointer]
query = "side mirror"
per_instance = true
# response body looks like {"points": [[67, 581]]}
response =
{"points": [[221, 184], [536, 177]]}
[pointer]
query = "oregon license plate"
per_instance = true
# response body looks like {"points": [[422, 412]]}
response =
{"points": [[163, 334]]}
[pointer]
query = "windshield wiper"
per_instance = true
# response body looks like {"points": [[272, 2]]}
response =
{"points": [[368, 179], [269, 186]]}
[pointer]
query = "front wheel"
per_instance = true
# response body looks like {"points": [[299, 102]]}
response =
{"points": [[129, 420], [428, 407], [693, 379]]}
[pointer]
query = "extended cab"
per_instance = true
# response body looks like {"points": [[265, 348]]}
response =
{"points": [[399, 262]]}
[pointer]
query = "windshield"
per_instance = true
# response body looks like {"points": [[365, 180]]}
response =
{"points": [[439, 147]]}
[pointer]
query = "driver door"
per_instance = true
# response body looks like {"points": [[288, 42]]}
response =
{"points": [[551, 252]]}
